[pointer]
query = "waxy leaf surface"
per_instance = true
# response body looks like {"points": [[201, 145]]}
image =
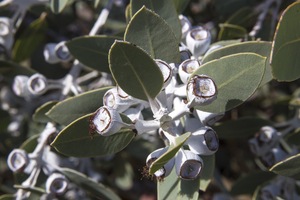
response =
{"points": [[166, 9], [285, 53], [135, 71], [288, 167], [150, 32], [75, 140], [92, 51], [72, 108], [237, 77]]}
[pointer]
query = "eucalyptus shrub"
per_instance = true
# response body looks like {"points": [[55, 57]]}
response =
{"points": [[109, 99]]}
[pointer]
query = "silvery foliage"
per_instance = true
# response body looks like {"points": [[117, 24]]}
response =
{"points": [[173, 111]]}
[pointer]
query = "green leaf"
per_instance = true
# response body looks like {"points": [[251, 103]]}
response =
{"points": [[169, 154], [30, 144], [77, 135], [30, 39], [92, 51], [40, 113], [35, 190], [129, 62], [172, 187], [150, 32], [97, 190], [237, 77], [285, 52], [181, 5], [165, 9], [240, 128], [288, 167], [124, 173], [231, 31], [72, 108], [207, 171], [248, 184], [258, 47], [7, 197], [10, 69], [58, 5]]}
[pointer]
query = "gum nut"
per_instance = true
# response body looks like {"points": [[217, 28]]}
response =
{"points": [[50, 53], [112, 99], [106, 121], [274, 156], [267, 134], [56, 184], [186, 25], [208, 118], [201, 90], [166, 71], [185, 53], [198, 41], [186, 68], [37, 84], [126, 98], [254, 146], [269, 192], [204, 141], [20, 85], [4, 26], [166, 169], [62, 52], [17, 160], [188, 165]]}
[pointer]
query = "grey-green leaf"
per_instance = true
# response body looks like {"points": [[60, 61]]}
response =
{"points": [[172, 187], [259, 47], [240, 128], [166, 9], [237, 77], [288, 167], [92, 51], [77, 135], [129, 62], [285, 52], [247, 184], [30, 39], [169, 154], [58, 5], [40, 113], [72, 108], [150, 32], [98, 190]]}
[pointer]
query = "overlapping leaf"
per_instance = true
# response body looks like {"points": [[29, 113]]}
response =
{"points": [[30, 39], [169, 154], [237, 77], [240, 128], [285, 52], [150, 32], [288, 167], [75, 140], [165, 9], [135, 71], [258, 47], [72, 108], [92, 51], [97, 190], [40, 113]]}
